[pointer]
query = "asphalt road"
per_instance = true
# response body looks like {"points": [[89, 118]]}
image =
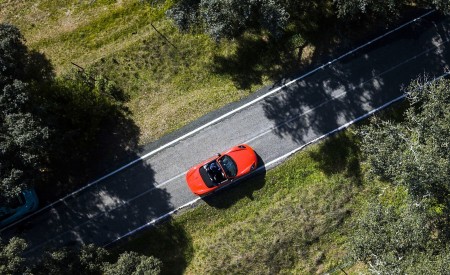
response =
{"points": [[275, 122]]}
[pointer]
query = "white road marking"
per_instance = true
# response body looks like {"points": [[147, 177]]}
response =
{"points": [[275, 161], [270, 129], [267, 165], [271, 92], [89, 219], [154, 221]]}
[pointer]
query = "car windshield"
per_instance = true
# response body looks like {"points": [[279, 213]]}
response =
{"points": [[228, 165]]}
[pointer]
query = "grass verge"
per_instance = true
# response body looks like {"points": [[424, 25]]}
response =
{"points": [[295, 219], [172, 84]]}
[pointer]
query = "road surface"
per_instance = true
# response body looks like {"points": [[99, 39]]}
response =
{"points": [[275, 121]]}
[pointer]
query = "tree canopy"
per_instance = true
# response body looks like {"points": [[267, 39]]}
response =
{"points": [[413, 155], [11, 260], [42, 115], [131, 263], [23, 135], [416, 152], [230, 18], [398, 241], [356, 9], [87, 259], [362, 9]]}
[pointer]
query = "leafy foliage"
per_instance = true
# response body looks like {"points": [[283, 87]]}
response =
{"points": [[13, 54], [416, 152], [88, 259], [11, 260], [398, 241], [133, 263], [230, 18], [363, 9], [442, 5], [412, 154], [22, 134], [357, 9], [19, 63]]}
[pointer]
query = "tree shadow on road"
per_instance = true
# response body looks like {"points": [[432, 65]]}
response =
{"points": [[101, 214], [348, 89], [105, 210]]}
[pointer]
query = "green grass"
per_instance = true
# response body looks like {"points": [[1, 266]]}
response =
{"points": [[169, 87], [295, 219]]}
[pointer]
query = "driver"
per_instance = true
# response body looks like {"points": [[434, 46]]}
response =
{"points": [[215, 170], [214, 167]]}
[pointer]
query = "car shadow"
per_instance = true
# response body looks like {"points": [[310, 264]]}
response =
{"points": [[242, 188]]}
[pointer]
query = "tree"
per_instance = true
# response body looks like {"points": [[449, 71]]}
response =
{"points": [[398, 241], [230, 18], [11, 260], [22, 134], [364, 9], [416, 152], [88, 259], [22, 145], [357, 9], [13, 55], [133, 263], [415, 155], [17, 62]]}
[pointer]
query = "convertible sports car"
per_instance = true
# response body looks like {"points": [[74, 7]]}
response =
{"points": [[221, 169]]}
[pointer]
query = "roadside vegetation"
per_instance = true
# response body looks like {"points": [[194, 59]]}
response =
{"points": [[86, 82], [342, 204], [172, 82], [296, 219]]}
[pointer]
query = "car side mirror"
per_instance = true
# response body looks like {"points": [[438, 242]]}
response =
{"points": [[219, 155]]}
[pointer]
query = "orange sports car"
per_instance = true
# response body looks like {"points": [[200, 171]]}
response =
{"points": [[221, 169]]}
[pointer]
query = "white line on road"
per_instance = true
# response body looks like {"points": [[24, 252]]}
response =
{"points": [[267, 165], [102, 213], [271, 92], [274, 161], [268, 130]]}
